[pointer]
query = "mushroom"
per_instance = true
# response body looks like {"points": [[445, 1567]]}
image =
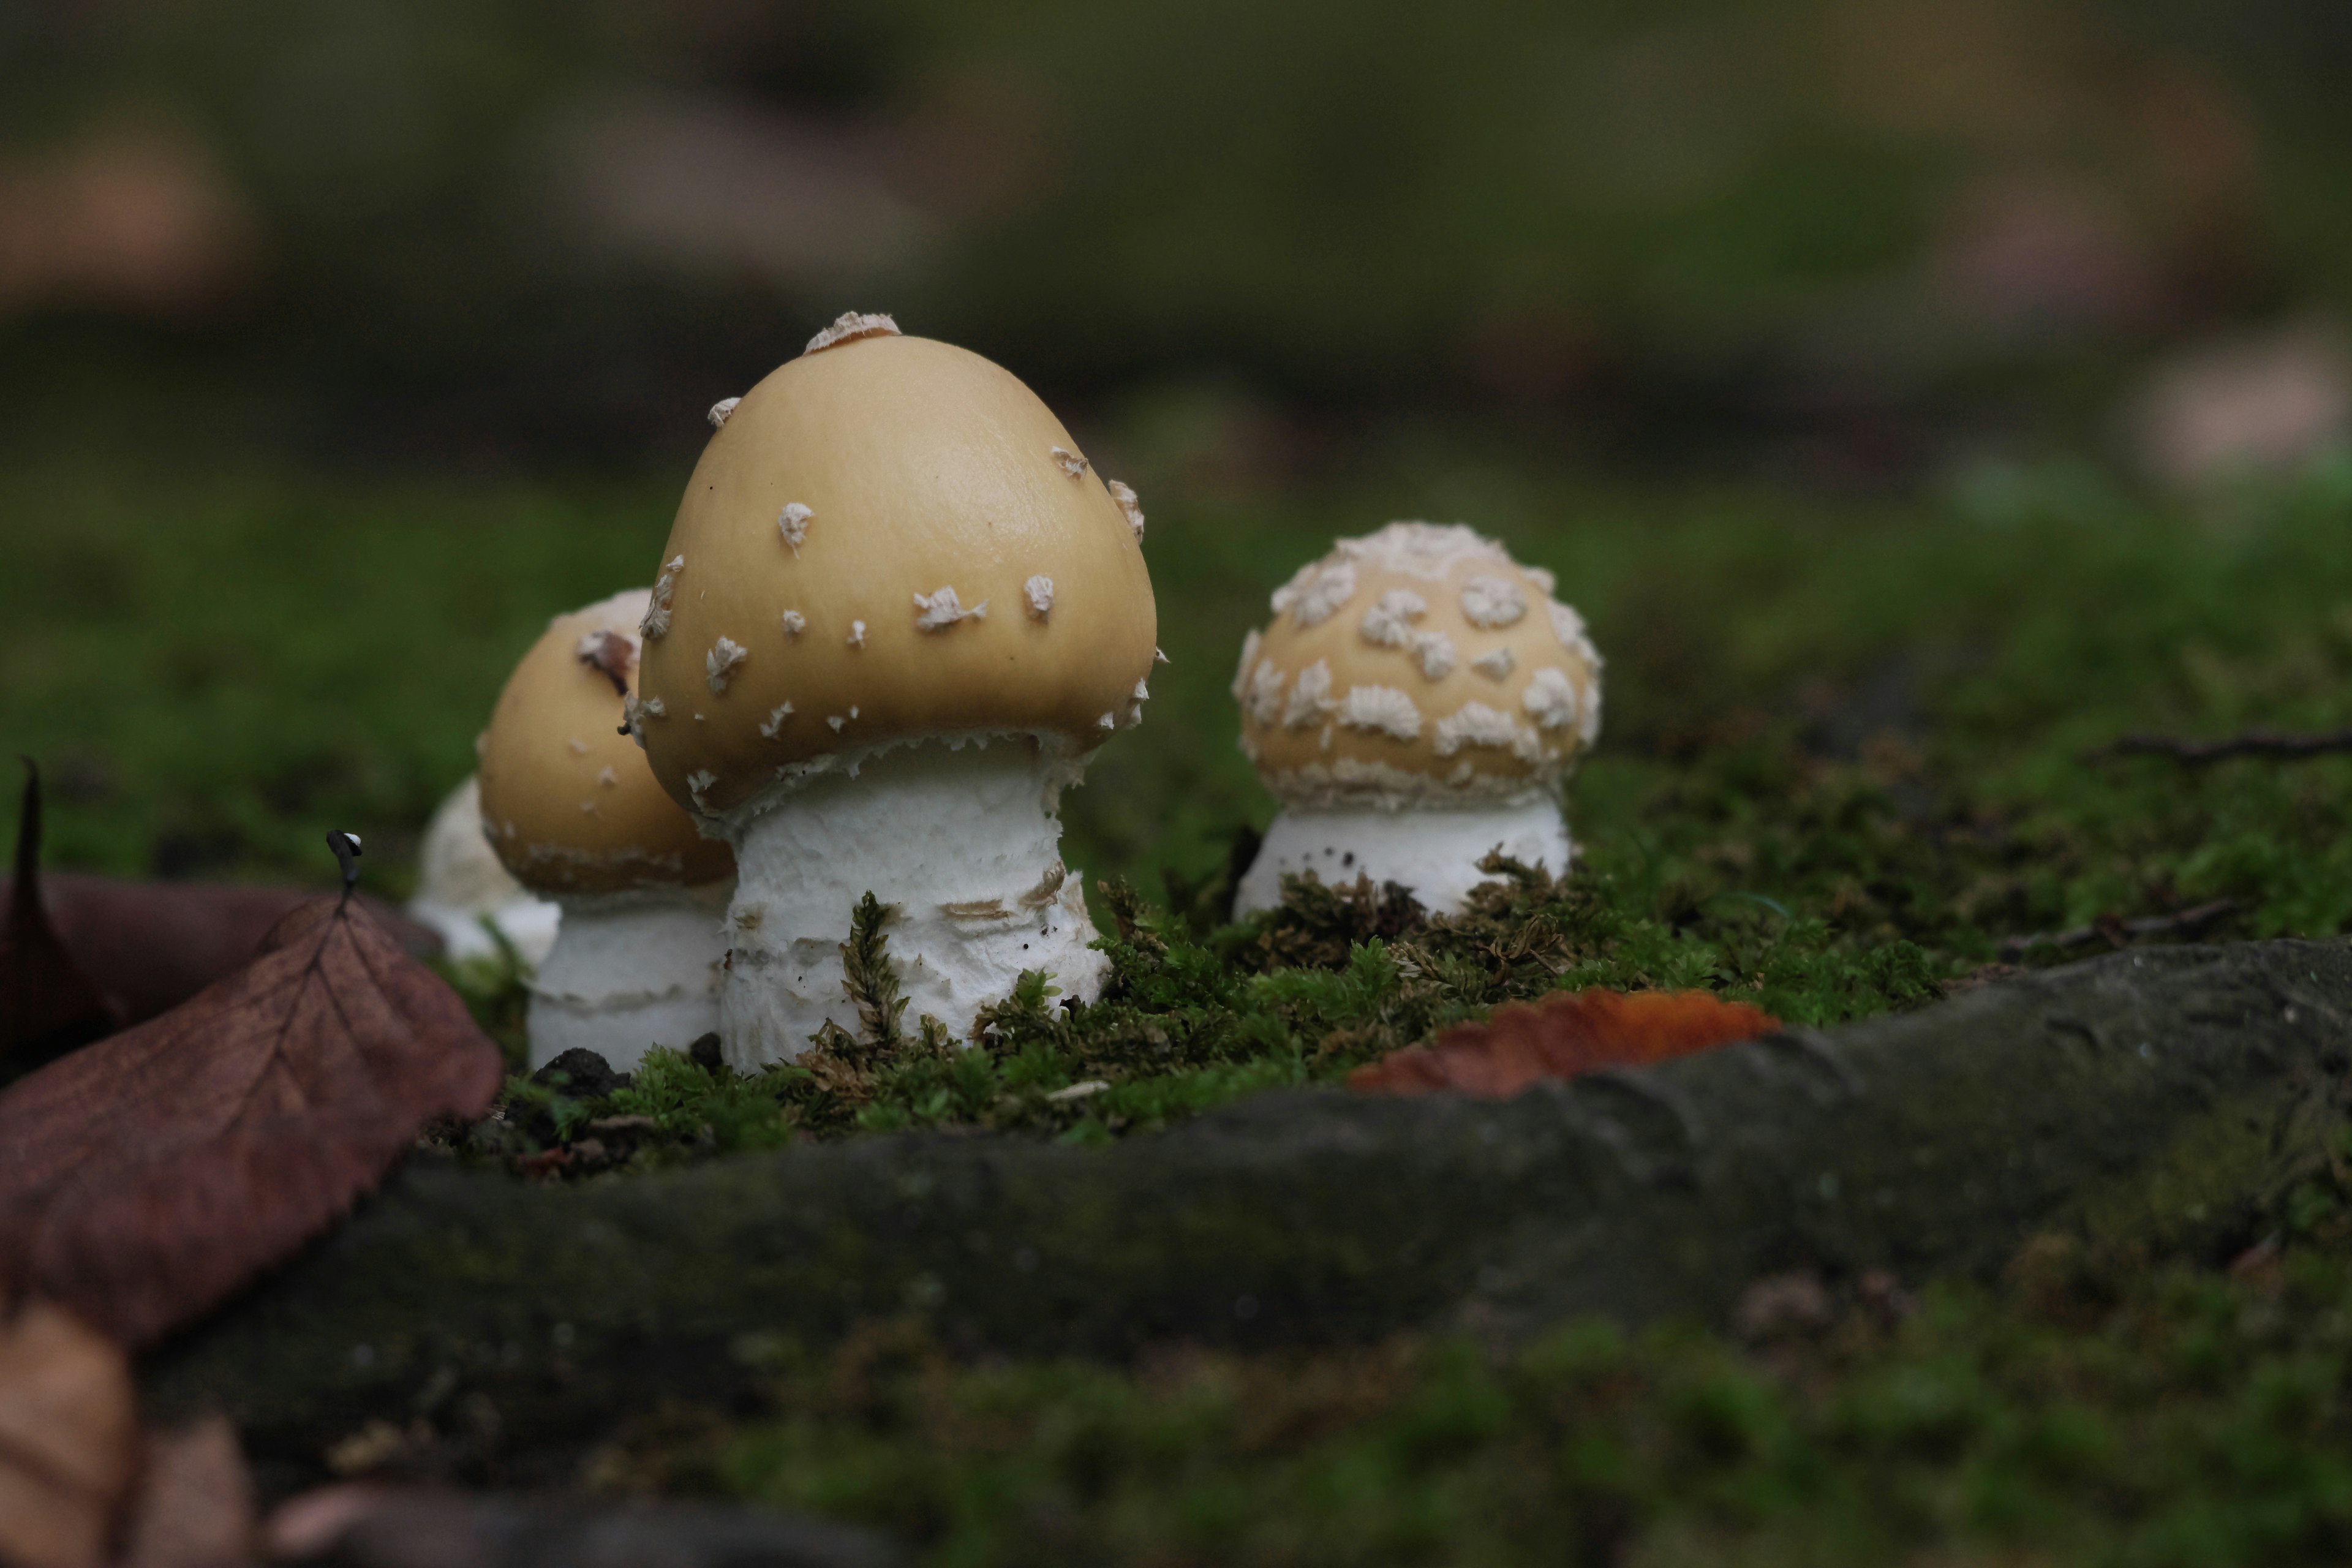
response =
{"points": [[460, 885], [1415, 705], [574, 813], [966, 617]]}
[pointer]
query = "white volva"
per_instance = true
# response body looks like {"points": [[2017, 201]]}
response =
{"points": [[629, 970], [1432, 849], [571, 810], [962, 839]]}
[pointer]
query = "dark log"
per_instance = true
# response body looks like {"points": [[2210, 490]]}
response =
{"points": [[2161, 1099], [2202, 753]]}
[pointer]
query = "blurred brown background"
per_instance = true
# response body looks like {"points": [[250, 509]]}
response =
{"points": [[1851, 241]]}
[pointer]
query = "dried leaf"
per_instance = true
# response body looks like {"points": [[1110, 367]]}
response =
{"points": [[368, 1526], [150, 946], [144, 1178], [1565, 1033], [194, 1506], [308, 1524], [69, 1439], [47, 1005]]}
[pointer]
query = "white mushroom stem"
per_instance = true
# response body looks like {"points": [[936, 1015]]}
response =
{"points": [[629, 970], [460, 884], [1432, 849], [963, 839]]}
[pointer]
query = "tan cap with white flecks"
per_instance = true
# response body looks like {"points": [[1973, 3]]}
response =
{"points": [[887, 539], [1420, 662], [567, 799]]}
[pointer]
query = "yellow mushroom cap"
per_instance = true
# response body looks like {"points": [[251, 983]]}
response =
{"points": [[1419, 662], [567, 799], [887, 539]]}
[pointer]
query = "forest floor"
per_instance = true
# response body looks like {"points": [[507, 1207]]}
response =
{"points": [[1856, 755]]}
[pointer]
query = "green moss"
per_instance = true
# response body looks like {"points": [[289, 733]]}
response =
{"points": [[2085, 1410], [1850, 763], [1847, 762], [1332, 979]]}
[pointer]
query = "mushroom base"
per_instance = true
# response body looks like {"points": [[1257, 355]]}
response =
{"points": [[628, 971], [460, 884], [1433, 850], [964, 841], [529, 924]]}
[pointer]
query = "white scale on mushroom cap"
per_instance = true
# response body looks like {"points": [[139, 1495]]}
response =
{"points": [[939, 609], [1129, 506], [793, 522]]}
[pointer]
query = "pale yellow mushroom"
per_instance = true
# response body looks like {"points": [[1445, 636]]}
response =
{"points": [[576, 816], [901, 602], [1414, 703], [461, 885]]}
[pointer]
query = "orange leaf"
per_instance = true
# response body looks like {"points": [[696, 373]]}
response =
{"points": [[144, 1178], [1565, 1033]]}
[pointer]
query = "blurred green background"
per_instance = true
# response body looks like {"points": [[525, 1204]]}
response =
{"points": [[343, 343]]}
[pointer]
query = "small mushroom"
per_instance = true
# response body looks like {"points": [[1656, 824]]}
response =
{"points": [[1414, 712], [636, 957], [914, 743], [460, 885]]}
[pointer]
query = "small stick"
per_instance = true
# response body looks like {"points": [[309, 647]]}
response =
{"points": [[28, 836], [2252, 743], [2116, 931], [346, 847]]}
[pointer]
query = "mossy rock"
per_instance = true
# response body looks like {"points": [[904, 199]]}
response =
{"points": [[2161, 1100]]}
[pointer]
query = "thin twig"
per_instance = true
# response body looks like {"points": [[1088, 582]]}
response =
{"points": [[2250, 743], [2118, 932]]}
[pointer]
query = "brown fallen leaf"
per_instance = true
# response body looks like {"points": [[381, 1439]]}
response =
{"points": [[370, 1526], [194, 1506], [69, 1439], [150, 946], [308, 1524], [1564, 1033], [144, 1178], [47, 1005], [81, 955]]}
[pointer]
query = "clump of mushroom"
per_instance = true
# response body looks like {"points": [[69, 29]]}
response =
{"points": [[574, 813], [898, 611], [463, 892], [1414, 705]]}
